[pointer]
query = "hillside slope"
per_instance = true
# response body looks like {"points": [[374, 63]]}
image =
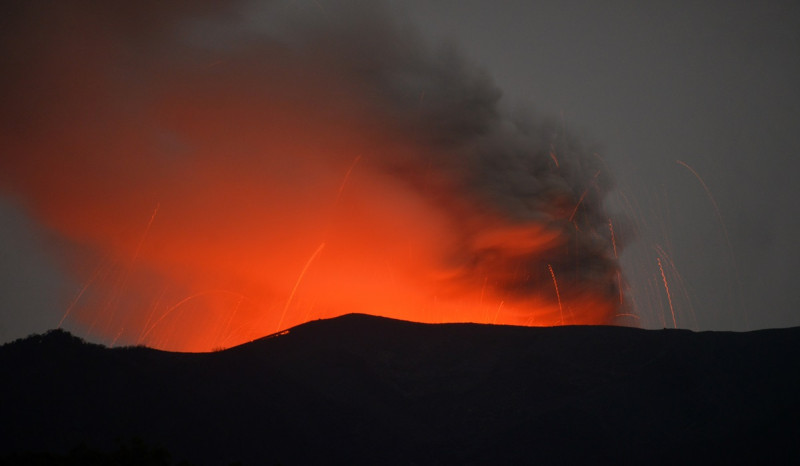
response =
{"points": [[366, 390]]}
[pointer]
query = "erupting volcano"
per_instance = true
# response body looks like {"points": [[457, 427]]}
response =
{"points": [[214, 178]]}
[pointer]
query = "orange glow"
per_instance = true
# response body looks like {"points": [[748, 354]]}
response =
{"points": [[207, 205]]}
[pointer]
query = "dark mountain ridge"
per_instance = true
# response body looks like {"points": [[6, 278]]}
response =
{"points": [[367, 390]]}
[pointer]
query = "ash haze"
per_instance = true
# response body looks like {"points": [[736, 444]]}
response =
{"points": [[197, 175], [712, 84]]}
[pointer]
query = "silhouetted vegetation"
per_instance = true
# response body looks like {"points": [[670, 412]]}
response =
{"points": [[55, 337], [134, 452]]}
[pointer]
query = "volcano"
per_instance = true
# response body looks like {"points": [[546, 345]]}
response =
{"points": [[360, 389]]}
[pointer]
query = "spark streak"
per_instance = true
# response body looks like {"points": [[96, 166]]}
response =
{"points": [[681, 284], [122, 281], [585, 191], [497, 314], [181, 303], [346, 177], [78, 297], [666, 288], [146, 230], [553, 155], [710, 197], [613, 239], [724, 229], [297, 283], [558, 295], [616, 256], [87, 284]]}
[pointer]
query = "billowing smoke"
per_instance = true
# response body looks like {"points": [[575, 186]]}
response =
{"points": [[226, 172]]}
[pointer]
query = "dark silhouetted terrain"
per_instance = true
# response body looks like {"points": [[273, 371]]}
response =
{"points": [[367, 390]]}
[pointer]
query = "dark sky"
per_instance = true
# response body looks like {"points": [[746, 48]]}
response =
{"points": [[709, 84]]}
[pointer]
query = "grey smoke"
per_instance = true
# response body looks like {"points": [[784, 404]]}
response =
{"points": [[490, 171]]}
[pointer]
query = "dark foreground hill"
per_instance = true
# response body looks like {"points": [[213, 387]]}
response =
{"points": [[368, 390]]}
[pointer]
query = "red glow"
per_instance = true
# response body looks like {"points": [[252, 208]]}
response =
{"points": [[232, 249], [217, 204]]}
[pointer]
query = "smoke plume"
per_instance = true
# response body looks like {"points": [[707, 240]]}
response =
{"points": [[227, 172]]}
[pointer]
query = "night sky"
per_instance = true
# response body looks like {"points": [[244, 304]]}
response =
{"points": [[676, 120]]}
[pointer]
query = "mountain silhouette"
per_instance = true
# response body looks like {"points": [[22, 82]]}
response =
{"points": [[361, 389]]}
